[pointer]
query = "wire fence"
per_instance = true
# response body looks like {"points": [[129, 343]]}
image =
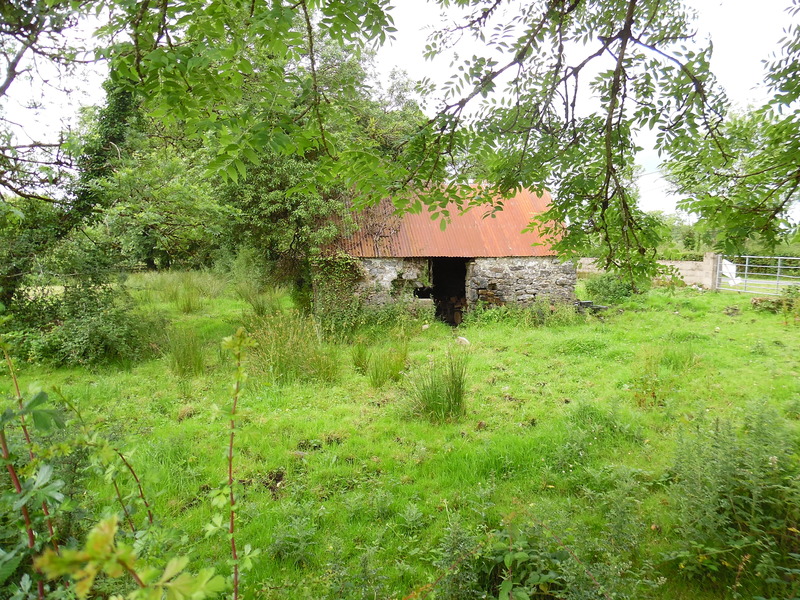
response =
{"points": [[767, 275]]}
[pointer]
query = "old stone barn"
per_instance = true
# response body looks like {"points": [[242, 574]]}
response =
{"points": [[476, 258]]}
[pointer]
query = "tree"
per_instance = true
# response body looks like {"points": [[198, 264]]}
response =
{"points": [[746, 181], [555, 101], [33, 39]]}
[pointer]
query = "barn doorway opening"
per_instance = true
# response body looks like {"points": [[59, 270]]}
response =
{"points": [[449, 278]]}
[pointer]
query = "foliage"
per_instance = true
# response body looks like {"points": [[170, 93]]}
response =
{"points": [[161, 211], [736, 495], [288, 227], [91, 326], [337, 307], [609, 288], [438, 391], [744, 184], [102, 555]]}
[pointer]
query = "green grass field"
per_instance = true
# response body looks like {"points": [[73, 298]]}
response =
{"points": [[591, 445]]}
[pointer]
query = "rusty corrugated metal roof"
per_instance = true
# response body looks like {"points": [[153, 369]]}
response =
{"points": [[383, 233]]}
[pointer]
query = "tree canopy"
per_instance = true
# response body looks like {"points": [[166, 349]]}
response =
{"points": [[554, 100]]}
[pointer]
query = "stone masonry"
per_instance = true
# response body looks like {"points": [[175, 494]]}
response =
{"points": [[512, 280], [519, 280], [387, 278]]}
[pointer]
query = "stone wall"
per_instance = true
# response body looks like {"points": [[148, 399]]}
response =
{"points": [[519, 280], [387, 278], [693, 272]]}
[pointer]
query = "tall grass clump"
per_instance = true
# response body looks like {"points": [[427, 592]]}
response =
{"points": [[438, 390], [189, 300], [185, 353], [387, 365], [289, 349], [209, 283], [261, 301], [542, 312], [361, 356]]}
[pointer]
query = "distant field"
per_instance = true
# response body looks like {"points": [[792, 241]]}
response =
{"points": [[593, 458]]}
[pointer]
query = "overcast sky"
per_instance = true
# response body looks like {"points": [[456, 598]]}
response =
{"points": [[744, 33]]}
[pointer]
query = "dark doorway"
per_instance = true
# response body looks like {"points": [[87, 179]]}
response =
{"points": [[449, 277]]}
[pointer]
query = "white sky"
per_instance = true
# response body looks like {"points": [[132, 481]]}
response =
{"points": [[744, 33]]}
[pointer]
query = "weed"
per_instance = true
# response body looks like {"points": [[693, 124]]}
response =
{"points": [[737, 497], [457, 560], [412, 519], [439, 391], [293, 541]]}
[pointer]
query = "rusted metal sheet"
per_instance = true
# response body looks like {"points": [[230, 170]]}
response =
{"points": [[382, 233]]}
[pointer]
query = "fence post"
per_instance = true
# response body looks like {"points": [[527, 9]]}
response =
{"points": [[746, 271], [711, 264]]}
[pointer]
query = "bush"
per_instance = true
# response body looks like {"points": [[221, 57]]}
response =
{"points": [[95, 326], [439, 391], [609, 288]]}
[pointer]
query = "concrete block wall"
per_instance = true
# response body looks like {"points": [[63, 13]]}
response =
{"points": [[693, 272]]}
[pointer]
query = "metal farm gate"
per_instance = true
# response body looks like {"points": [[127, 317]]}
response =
{"points": [[766, 275]]}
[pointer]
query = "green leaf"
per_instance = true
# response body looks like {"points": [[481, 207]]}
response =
{"points": [[9, 561], [174, 566], [505, 589]]}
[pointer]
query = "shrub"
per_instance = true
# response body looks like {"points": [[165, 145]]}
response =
{"points": [[96, 326], [609, 288], [438, 390], [289, 349], [185, 353]]}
